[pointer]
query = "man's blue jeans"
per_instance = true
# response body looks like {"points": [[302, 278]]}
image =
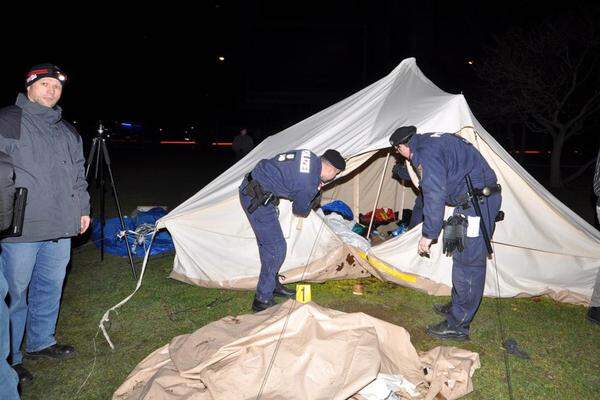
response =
{"points": [[41, 266], [8, 376]]}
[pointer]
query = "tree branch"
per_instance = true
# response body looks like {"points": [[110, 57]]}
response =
{"points": [[580, 171]]}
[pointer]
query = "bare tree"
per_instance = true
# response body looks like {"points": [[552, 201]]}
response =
{"points": [[546, 77]]}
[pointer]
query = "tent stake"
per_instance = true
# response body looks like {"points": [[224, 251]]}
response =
{"points": [[387, 159]]}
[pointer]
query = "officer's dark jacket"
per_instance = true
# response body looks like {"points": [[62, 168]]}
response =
{"points": [[47, 156], [442, 161], [7, 191], [294, 175]]}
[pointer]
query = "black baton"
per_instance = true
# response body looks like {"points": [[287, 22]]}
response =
{"points": [[475, 202]]}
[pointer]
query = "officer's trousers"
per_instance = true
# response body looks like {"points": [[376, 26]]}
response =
{"points": [[271, 244], [469, 267]]}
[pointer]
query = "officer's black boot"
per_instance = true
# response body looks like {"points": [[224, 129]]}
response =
{"points": [[258, 305], [282, 291], [444, 331], [442, 309], [593, 315]]}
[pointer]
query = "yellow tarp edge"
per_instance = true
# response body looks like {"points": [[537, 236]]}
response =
{"points": [[386, 269]]}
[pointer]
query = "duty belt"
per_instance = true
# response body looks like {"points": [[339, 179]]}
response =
{"points": [[480, 193], [258, 195]]}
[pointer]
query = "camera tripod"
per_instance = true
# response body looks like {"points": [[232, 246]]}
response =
{"points": [[99, 153]]}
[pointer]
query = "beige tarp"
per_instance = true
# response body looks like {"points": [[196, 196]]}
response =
{"points": [[322, 354]]}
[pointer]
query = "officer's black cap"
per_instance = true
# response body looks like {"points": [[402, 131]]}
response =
{"points": [[402, 135], [334, 158]]}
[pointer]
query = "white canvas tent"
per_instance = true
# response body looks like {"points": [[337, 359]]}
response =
{"points": [[542, 247]]}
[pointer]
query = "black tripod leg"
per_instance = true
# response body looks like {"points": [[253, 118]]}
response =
{"points": [[90, 157], [102, 206], [98, 161], [114, 188]]}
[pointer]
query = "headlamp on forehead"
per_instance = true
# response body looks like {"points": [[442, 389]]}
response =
{"points": [[45, 71]]}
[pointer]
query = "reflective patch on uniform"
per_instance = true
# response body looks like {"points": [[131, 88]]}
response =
{"points": [[305, 162], [437, 134], [286, 157], [473, 228]]}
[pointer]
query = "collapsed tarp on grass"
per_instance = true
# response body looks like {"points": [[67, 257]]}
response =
{"points": [[323, 354]]}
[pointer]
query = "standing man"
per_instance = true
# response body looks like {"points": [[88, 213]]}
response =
{"points": [[242, 144], [8, 376], [442, 161], [297, 176], [593, 314], [47, 155]]}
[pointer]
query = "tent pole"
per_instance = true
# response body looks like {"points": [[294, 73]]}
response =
{"points": [[401, 210], [356, 194], [387, 159]]}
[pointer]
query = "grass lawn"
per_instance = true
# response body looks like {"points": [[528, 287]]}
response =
{"points": [[565, 361]]}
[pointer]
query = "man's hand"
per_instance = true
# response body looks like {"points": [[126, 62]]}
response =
{"points": [[85, 223], [424, 244]]}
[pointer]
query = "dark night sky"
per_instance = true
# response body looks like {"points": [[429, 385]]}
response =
{"points": [[282, 63]]}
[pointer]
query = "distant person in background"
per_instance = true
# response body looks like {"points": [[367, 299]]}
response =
{"points": [[593, 314], [242, 144]]}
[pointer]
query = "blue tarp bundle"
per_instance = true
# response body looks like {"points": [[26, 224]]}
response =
{"points": [[339, 207], [116, 246]]}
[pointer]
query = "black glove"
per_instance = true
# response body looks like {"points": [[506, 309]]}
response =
{"points": [[400, 172], [455, 234]]}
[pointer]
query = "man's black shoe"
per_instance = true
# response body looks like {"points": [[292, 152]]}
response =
{"points": [[282, 291], [56, 351], [593, 315], [258, 305], [442, 309], [444, 331], [24, 375]]}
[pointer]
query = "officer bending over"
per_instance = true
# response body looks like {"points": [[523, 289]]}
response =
{"points": [[443, 161], [297, 176]]}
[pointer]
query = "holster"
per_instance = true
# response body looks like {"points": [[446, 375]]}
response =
{"points": [[259, 197], [455, 234]]}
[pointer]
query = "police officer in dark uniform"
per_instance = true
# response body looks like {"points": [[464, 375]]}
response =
{"points": [[297, 176], [400, 172], [443, 161]]}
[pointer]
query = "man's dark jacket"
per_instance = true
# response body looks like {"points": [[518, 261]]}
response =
{"points": [[7, 191], [47, 156]]}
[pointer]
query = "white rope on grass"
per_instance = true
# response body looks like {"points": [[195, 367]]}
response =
{"points": [[105, 317]]}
